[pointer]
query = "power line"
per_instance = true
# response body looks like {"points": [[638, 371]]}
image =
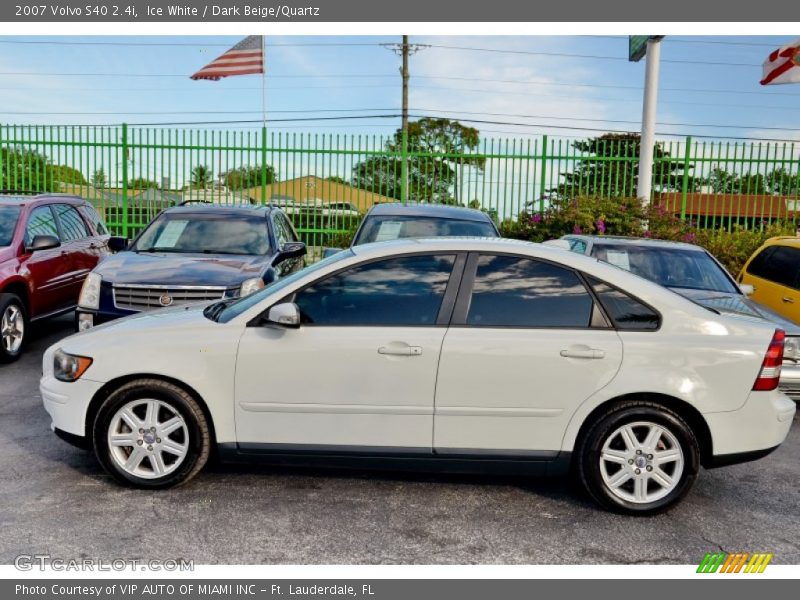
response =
{"points": [[675, 40], [177, 44], [190, 112]]}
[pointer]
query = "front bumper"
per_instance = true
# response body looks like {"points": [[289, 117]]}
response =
{"points": [[790, 380], [68, 403], [753, 431]]}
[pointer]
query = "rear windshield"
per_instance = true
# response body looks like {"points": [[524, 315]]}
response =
{"points": [[385, 228], [9, 215], [184, 233], [670, 267]]}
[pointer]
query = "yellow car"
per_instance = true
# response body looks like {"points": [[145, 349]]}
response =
{"points": [[773, 271]]}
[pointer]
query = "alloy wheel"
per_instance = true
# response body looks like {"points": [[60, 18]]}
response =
{"points": [[12, 328]]}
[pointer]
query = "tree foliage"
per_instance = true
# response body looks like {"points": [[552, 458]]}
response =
{"points": [[247, 177], [142, 183], [439, 153], [26, 170], [201, 177]]}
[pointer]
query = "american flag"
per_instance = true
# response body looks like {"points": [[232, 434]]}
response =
{"points": [[245, 58]]}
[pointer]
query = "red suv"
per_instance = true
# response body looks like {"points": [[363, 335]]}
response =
{"points": [[48, 244]]}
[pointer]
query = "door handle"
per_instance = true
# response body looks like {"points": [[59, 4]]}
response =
{"points": [[400, 350], [788, 300], [591, 353]]}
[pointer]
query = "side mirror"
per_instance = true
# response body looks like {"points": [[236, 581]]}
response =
{"points": [[290, 250], [747, 289], [286, 314], [117, 244], [44, 242], [326, 252]]}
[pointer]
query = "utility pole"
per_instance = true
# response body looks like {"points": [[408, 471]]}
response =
{"points": [[405, 50], [652, 59]]}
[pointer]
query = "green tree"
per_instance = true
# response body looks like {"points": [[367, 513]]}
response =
{"points": [[201, 177], [65, 174], [142, 183], [337, 179], [720, 181], [26, 170], [441, 150], [609, 168], [99, 179], [782, 182], [247, 177]]}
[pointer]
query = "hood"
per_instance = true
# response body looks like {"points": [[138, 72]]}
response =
{"points": [[180, 269], [733, 303]]}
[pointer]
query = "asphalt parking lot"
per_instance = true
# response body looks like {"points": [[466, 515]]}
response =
{"points": [[55, 499]]}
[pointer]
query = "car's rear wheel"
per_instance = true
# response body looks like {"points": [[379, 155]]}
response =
{"points": [[151, 434], [13, 327], [638, 458]]}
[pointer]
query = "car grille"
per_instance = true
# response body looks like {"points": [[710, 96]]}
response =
{"points": [[140, 298], [792, 390]]}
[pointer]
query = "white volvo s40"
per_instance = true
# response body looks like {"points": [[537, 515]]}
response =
{"points": [[453, 354]]}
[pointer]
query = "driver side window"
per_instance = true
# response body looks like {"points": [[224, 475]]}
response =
{"points": [[40, 222], [405, 291]]}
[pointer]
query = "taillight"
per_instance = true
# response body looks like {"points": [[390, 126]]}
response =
{"points": [[771, 367]]}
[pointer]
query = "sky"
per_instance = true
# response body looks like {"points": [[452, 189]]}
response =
{"points": [[545, 83]]}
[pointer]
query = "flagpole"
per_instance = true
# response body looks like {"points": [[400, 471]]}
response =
{"points": [[263, 120]]}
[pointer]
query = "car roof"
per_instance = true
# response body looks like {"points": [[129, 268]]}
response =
{"points": [[20, 198], [613, 240], [784, 240], [441, 211], [221, 209]]}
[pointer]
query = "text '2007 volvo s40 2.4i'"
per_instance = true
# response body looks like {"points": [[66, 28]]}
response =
{"points": [[453, 354]]}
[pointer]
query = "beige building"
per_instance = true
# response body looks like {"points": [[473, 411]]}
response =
{"points": [[314, 190]]}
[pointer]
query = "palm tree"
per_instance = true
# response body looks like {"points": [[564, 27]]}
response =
{"points": [[201, 177]]}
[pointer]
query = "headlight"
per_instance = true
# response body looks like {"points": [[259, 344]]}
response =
{"points": [[251, 285], [68, 367], [90, 292], [791, 348]]}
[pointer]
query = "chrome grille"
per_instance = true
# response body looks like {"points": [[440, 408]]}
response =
{"points": [[145, 297]]}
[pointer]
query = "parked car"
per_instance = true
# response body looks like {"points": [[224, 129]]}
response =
{"points": [[454, 354], [773, 271], [48, 244], [693, 272], [395, 220], [191, 253]]}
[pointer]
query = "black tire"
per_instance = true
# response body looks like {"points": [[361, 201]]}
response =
{"points": [[176, 400], [589, 449], [8, 301]]}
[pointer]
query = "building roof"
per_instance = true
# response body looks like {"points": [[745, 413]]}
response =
{"points": [[310, 189], [701, 204]]}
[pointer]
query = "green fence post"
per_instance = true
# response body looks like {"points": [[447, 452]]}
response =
{"points": [[685, 184], [544, 172], [404, 167], [264, 164], [125, 216]]}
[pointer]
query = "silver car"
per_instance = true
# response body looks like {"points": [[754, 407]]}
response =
{"points": [[693, 272]]}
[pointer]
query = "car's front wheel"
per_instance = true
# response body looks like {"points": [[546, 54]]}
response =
{"points": [[13, 327], [638, 458], [151, 434]]}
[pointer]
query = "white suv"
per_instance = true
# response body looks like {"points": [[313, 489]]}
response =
{"points": [[452, 354]]}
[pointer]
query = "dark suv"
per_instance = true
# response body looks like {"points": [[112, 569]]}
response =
{"points": [[192, 253], [48, 244]]}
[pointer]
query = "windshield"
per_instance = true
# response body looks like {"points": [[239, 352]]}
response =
{"points": [[8, 223], [233, 308], [670, 267], [187, 233], [381, 229]]}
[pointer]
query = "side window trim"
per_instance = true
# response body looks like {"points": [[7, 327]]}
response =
{"points": [[464, 300], [449, 300]]}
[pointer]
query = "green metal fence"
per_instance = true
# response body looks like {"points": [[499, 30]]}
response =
{"points": [[327, 182]]}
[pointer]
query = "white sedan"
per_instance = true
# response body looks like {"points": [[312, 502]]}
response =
{"points": [[453, 354]]}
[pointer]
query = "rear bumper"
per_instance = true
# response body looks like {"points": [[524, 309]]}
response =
{"points": [[753, 431]]}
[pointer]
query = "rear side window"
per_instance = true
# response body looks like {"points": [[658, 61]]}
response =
{"points": [[779, 264], [511, 291], [94, 218], [625, 311], [73, 227], [399, 291], [40, 222]]}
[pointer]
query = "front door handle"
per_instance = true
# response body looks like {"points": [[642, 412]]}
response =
{"points": [[590, 353], [788, 300], [400, 350]]}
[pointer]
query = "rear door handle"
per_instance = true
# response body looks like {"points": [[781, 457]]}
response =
{"points": [[787, 300], [400, 350], [590, 353]]}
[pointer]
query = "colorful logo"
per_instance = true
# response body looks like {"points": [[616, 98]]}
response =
{"points": [[740, 562]]}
